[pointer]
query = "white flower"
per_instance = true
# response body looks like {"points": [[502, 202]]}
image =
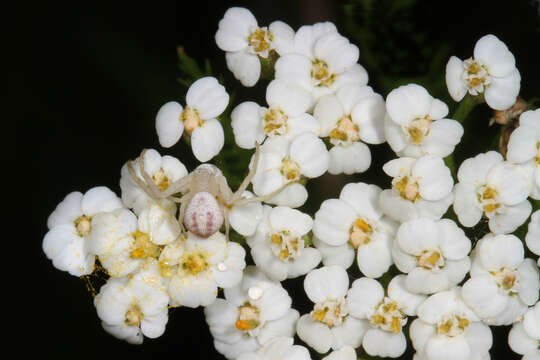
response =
{"points": [[524, 338], [446, 329], [433, 254], [245, 42], [245, 219], [387, 315], [196, 267], [533, 234], [524, 148], [324, 61], [345, 353], [416, 123], [420, 188], [329, 325], [492, 72], [254, 312], [132, 307], [352, 116], [206, 99], [355, 222], [282, 161], [279, 246], [488, 186], [118, 243], [164, 170], [503, 283], [70, 224], [279, 348], [285, 116]]}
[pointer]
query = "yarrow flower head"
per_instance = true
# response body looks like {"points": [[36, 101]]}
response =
{"points": [[285, 116], [354, 222], [246, 44], [524, 148], [416, 123], [283, 163], [163, 171], [253, 313], [132, 307], [447, 329], [386, 315], [196, 267], [330, 325], [350, 117], [420, 188], [70, 225], [323, 61], [503, 282], [491, 72], [490, 187], [433, 254], [206, 99], [280, 247]]}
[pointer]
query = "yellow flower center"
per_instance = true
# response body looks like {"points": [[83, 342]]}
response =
{"points": [[260, 40], [290, 169], [83, 225], [419, 128], [408, 189], [275, 122], [161, 180], [537, 157], [285, 245], [165, 269], [476, 76], [452, 325], [191, 119], [321, 74], [430, 260], [248, 317], [134, 316], [388, 316], [507, 279], [487, 197], [194, 263], [345, 131], [331, 312], [360, 233], [143, 247]]}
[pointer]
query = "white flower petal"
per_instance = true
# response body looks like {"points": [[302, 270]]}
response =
{"points": [[315, 334], [208, 97], [285, 95], [408, 102], [234, 28], [363, 297], [245, 67], [407, 300], [355, 158], [382, 343], [329, 282], [369, 114], [207, 140], [169, 126], [502, 92], [495, 54], [511, 219], [282, 37], [457, 88], [247, 125], [333, 222]]}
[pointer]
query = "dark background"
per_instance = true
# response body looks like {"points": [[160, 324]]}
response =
{"points": [[95, 76]]}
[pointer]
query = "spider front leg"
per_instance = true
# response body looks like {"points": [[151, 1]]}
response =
{"points": [[243, 186], [154, 190]]}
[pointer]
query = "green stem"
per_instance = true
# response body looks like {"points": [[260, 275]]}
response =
{"points": [[465, 107], [462, 112]]}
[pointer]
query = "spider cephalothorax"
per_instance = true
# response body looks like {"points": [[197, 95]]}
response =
{"points": [[205, 197]]}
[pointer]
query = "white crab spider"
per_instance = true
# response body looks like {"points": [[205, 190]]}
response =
{"points": [[206, 196]]}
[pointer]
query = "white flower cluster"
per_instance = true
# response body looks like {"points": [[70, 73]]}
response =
{"points": [[165, 242]]}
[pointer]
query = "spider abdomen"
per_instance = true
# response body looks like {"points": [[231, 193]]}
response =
{"points": [[203, 215]]}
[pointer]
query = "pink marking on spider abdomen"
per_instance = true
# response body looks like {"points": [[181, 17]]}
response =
{"points": [[203, 215]]}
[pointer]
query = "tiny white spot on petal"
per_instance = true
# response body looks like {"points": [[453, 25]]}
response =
{"points": [[255, 293], [221, 266]]}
